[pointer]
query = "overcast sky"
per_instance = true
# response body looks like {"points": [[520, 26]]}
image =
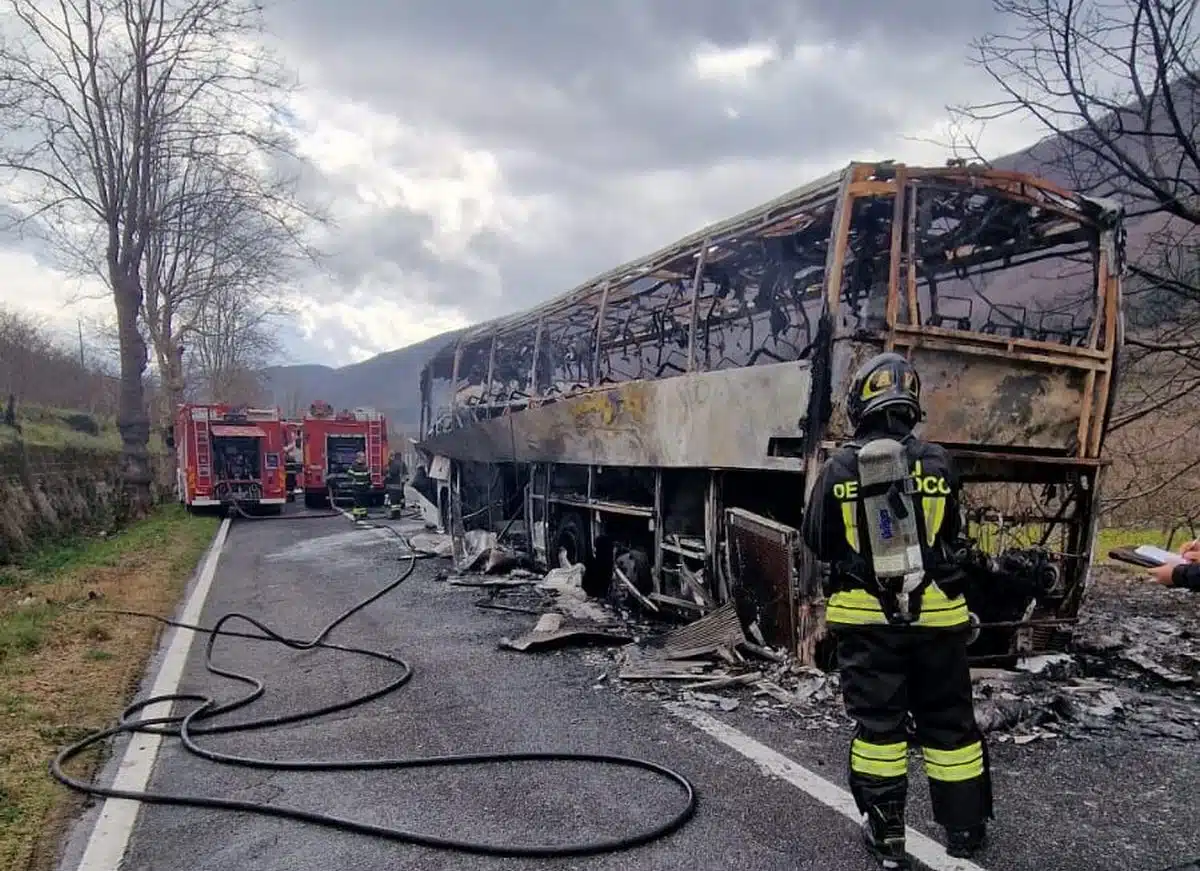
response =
{"points": [[484, 155]]}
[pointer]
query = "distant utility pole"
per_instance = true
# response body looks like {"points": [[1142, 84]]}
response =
{"points": [[82, 364]]}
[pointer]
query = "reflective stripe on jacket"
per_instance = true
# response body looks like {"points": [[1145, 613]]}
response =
{"points": [[860, 608]]}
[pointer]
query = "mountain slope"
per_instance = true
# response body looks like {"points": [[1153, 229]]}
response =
{"points": [[388, 382]]}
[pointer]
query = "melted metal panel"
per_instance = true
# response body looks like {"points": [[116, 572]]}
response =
{"points": [[722, 419], [999, 402], [992, 401]]}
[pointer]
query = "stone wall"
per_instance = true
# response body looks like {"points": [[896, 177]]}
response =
{"points": [[48, 493]]}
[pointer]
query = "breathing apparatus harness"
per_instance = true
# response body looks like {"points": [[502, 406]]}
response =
{"points": [[889, 558]]}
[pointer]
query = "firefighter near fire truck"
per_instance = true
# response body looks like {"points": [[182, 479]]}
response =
{"points": [[884, 514], [393, 483]]}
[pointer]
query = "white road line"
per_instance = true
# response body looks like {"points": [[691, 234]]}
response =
{"points": [[920, 847], [110, 837]]}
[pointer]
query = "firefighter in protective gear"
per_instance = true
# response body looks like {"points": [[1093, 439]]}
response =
{"points": [[360, 480], [394, 484], [899, 617]]}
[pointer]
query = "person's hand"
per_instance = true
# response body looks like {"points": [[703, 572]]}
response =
{"points": [[1191, 551], [1162, 574]]}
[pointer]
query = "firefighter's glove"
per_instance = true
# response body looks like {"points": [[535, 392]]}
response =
{"points": [[953, 582]]}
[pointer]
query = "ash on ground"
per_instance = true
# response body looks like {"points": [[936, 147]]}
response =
{"points": [[1133, 669]]}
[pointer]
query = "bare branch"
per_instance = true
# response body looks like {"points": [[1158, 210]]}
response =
{"points": [[137, 130], [1114, 86]]}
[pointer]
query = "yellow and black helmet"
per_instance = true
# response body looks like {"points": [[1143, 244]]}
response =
{"points": [[885, 382]]}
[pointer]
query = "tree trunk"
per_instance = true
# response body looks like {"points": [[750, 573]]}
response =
{"points": [[171, 366], [133, 421]]}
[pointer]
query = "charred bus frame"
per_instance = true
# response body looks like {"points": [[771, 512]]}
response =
{"points": [[662, 416]]}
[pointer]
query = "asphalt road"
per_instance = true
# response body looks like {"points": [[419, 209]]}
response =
{"points": [[1069, 806]]}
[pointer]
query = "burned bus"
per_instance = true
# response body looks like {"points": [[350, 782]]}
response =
{"points": [[664, 417]]}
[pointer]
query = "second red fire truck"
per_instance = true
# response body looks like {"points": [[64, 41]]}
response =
{"points": [[330, 443]]}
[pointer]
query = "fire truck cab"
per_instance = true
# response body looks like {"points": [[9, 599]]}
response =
{"points": [[228, 455], [330, 443]]}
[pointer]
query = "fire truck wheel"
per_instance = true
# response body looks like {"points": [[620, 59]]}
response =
{"points": [[314, 500], [571, 535]]}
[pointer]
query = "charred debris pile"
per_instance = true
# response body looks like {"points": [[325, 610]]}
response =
{"points": [[1133, 669]]}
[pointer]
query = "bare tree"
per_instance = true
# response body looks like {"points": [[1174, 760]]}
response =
{"points": [[1115, 87], [226, 226], [295, 407], [95, 95], [1115, 82], [232, 339]]}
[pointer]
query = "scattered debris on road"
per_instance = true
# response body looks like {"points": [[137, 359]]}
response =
{"points": [[431, 542], [718, 635], [571, 599], [550, 632], [1134, 667]]}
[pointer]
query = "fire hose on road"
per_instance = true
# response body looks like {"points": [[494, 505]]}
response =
{"points": [[204, 719]]}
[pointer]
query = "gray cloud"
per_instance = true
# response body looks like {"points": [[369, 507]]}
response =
{"points": [[581, 101], [599, 128]]}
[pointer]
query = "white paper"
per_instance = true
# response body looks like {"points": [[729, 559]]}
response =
{"points": [[1160, 556]]}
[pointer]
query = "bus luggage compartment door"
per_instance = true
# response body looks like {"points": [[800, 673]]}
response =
{"points": [[762, 573]]}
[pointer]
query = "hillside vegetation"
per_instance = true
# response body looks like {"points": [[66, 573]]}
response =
{"points": [[61, 397]]}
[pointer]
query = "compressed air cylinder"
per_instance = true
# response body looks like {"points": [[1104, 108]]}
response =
{"points": [[884, 482]]}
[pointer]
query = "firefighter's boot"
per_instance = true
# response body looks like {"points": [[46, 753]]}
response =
{"points": [[883, 833], [393, 505], [965, 843], [358, 514]]}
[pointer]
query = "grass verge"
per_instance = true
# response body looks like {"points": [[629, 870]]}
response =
{"points": [[1107, 539], [65, 428], [64, 673]]}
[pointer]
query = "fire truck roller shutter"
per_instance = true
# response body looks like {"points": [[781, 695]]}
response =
{"points": [[231, 431]]}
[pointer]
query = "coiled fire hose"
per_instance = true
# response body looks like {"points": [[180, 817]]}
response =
{"points": [[204, 718]]}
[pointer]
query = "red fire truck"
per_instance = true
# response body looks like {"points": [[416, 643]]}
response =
{"points": [[229, 454], [331, 442]]}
